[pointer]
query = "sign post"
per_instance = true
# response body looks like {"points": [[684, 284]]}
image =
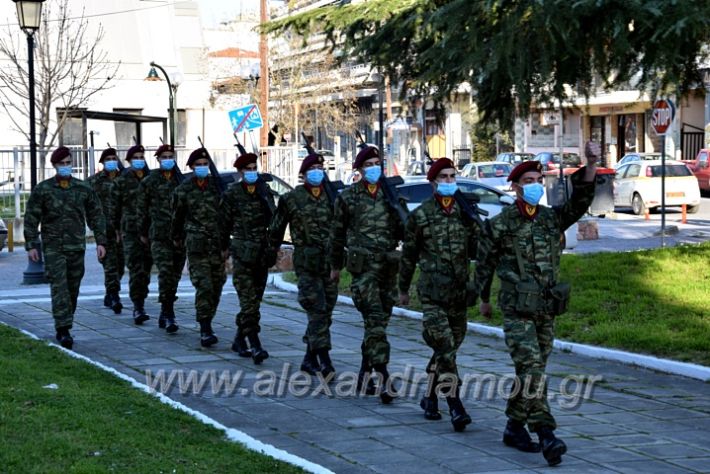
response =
{"points": [[661, 119]]}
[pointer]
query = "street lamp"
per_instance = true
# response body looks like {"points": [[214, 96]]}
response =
{"points": [[29, 13], [172, 90]]}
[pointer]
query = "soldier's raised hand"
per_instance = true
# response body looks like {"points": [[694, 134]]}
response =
{"points": [[404, 299]]}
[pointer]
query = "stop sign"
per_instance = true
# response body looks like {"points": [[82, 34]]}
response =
{"points": [[662, 115]]}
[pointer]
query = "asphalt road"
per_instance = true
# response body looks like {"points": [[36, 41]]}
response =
{"points": [[673, 214]]}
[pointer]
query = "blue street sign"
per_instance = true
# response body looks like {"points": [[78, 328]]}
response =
{"points": [[245, 118]]}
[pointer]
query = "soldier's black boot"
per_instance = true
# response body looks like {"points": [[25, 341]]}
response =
{"points": [[116, 304], [552, 447], [107, 300], [459, 417], [257, 352], [139, 315], [326, 365], [163, 316], [240, 345], [309, 364], [167, 318], [207, 337], [64, 338], [430, 402], [365, 373], [387, 392], [516, 436]]}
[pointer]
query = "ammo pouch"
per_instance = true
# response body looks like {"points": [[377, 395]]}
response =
{"points": [[197, 244], [437, 288], [392, 262], [310, 259], [247, 252], [357, 260], [559, 298], [529, 297]]}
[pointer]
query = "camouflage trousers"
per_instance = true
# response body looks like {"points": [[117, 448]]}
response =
{"points": [[114, 265], [207, 275], [250, 283], [139, 263], [170, 261], [529, 342], [317, 295], [444, 331], [64, 271], [374, 296]]}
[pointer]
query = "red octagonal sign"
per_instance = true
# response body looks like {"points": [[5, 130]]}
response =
{"points": [[662, 115]]}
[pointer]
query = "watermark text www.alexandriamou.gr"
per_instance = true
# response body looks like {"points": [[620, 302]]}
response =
{"points": [[569, 394]]}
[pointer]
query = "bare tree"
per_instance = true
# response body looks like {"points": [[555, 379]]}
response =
{"points": [[70, 68]]}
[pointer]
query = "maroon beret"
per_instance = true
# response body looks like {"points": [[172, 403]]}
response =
{"points": [[163, 149], [523, 168], [133, 150], [365, 154], [245, 159], [310, 160], [197, 154], [439, 164], [108, 152], [59, 154]]}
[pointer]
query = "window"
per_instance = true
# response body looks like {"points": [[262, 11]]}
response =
{"points": [[633, 171], [125, 131], [671, 171]]}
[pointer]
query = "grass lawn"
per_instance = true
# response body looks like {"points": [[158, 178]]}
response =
{"points": [[652, 302], [95, 422]]}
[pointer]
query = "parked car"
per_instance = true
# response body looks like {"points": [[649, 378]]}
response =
{"points": [[629, 157], [638, 184], [3, 234], [492, 173], [700, 167], [514, 158], [418, 168], [551, 160]]}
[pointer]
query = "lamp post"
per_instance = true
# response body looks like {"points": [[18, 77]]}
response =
{"points": [[172, 91], [29, 13]]}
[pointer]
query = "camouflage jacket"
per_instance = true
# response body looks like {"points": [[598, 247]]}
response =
{"points": [[124, 200], [244, 215], [195, 215], [361, 221], [538, 241], [63, 214], [154, 205], [442, 243], [102, 183]]}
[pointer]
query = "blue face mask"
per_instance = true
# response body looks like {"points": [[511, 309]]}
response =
{"points": [[446, 189], [138, 163], [532, 193], [314, 177], [64, 171], [167, 164], [202, 171], [111, 165], [372, 174], [251, 176]]}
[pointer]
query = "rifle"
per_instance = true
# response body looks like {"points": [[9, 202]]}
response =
{"points": [[389, 187], [213, 169], [262, 189], [331, 188]]}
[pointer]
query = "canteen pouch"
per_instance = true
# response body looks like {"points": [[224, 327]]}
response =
{"points": [[310, 259], [528, 297], [559, 298], [357, 260], [247, 252]]}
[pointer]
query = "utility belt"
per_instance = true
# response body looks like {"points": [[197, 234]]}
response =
{"points": [[530, 297], [359, 259]]}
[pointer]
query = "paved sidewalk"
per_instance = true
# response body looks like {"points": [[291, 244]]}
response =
{"points": [[634, 420]]}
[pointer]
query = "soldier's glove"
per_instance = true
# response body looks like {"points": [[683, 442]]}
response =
{"points": [[471, 294], [270, 257]]}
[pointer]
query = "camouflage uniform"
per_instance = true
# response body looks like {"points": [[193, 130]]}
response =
{"points": [[154, 211], [63, 212], [529, 336], [443, 243], [245, 215], [102, 183], [370, 229], [124, 216], [195, 222], [309, 214]]}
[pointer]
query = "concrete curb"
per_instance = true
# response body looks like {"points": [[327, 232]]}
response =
{"points": [[232, 434], [684, 369]]}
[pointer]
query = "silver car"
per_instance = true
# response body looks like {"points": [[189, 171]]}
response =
{"points": [[492, 173]]}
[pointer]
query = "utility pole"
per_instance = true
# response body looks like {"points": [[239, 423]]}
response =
{"points": [[264, 82]]}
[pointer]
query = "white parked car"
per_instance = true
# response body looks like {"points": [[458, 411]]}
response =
{"points": [[492, 173], [638, 185]]}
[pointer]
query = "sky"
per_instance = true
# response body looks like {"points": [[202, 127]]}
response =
{"points": [[215, 11]]}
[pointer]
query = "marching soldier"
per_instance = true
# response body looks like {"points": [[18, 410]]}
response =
{"points": [[195, 226], [124, 217], [63, 206], [443, 240], [522, 245], [368, 226], [155, 217], [245, 212], [308, 212], [102, 183]]}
